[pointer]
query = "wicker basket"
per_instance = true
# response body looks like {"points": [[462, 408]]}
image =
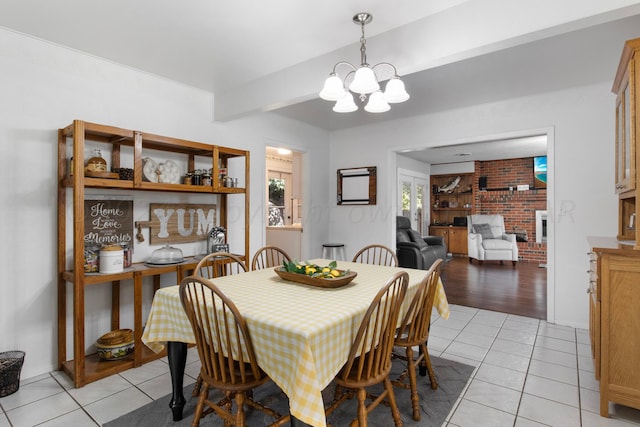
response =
{"points": [[119, 336], [10, 367]]}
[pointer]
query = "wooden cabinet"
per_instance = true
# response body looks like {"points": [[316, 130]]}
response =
{"points": [[615, 321], [614, 272], [451, 196], [132, 145], [625, 86], [454, 237]]}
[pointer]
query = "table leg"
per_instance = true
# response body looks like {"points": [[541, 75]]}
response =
{"points": [[177, 354]]}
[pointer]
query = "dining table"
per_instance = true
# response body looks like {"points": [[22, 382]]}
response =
{"points": [[302, 334]]}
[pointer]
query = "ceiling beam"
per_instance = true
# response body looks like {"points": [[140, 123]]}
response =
{"points": [[470, 29]]}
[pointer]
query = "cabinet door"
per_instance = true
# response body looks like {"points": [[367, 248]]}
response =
{"points": [[619, 320], [625, 151], [458, 241], [440, 231]]}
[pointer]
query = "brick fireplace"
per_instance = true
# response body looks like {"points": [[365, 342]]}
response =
{"points": [[517, 207]]}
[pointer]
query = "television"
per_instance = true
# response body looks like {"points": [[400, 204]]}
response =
{"points": [[540, 172]]}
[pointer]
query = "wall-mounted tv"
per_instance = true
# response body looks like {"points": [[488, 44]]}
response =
{"points": [[540, 172]]}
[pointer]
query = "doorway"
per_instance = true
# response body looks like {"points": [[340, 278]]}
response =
{"points": [[284, 199], [412, 192], [497, 147]]}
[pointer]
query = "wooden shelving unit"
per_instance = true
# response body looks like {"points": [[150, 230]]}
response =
{"points": [[85, 368], [447, 205]]}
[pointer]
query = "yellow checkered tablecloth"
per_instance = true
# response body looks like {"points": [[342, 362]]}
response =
{"points": [[301, 334]]}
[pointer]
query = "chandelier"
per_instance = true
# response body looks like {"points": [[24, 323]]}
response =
{"points": [[364, 82]]}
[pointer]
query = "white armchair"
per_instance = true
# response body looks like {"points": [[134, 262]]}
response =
{"points": [[487, 239]]}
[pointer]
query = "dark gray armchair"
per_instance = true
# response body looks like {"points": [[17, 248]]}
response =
{"points": [[414, 250]]}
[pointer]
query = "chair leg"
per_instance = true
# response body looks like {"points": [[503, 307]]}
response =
{"points": [[422, 367], [514, 263], [197, 387], [240, 418], [427, 361], [200, 407], [413, 382], [362, 407], [395, 413]]}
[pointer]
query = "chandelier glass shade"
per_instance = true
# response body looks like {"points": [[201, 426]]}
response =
{"points": [[364, 82]]}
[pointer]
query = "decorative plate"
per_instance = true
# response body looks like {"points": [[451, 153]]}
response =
{"points": [[316, 281], [150, 170], [168, 172]]}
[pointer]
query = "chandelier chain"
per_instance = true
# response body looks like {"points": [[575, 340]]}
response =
{"points": [[363, 47]]}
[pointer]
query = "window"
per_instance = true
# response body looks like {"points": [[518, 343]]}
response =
{"points": [[276, 201], [280, 201]]}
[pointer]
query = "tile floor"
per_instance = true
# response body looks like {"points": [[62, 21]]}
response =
{"points": [[528, 373]]}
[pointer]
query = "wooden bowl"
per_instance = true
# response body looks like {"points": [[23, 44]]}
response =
{"points": [[316, 281]]}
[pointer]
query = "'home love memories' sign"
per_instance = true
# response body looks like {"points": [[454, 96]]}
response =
{"points": [[108, 220]]}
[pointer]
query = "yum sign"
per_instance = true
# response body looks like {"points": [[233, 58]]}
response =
{"points": [[179, 223]]}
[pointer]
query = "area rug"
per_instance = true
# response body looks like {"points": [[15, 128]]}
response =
{"points": [[435, 404]]}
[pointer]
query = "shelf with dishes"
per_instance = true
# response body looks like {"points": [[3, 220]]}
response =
{"points": [[153, 162], [135, 161], [152, 186]]}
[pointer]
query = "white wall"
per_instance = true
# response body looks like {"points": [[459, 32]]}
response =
{"points": [[580, 121], [447, 168], [404, 162], [45, 87]]}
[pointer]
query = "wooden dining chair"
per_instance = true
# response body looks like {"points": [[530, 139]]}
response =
{"points": [[414, 331], [218, 264], [269, 256], [226, 353], [376, 254], [369, 360]]}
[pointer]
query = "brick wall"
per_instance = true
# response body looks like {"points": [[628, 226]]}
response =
{"points": [[518, 207]]}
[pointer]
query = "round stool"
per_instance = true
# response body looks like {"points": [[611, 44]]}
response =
{"points": [[333, 251]]}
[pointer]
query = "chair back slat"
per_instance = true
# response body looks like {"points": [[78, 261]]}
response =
{"points": [[376, 255], [219, 264], [371, 349], [222, 337], [414, 327], [269, 256]]}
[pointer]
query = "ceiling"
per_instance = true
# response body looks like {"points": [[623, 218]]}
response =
{"points": [[224, 47], [508, 148], [204, 43]]}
